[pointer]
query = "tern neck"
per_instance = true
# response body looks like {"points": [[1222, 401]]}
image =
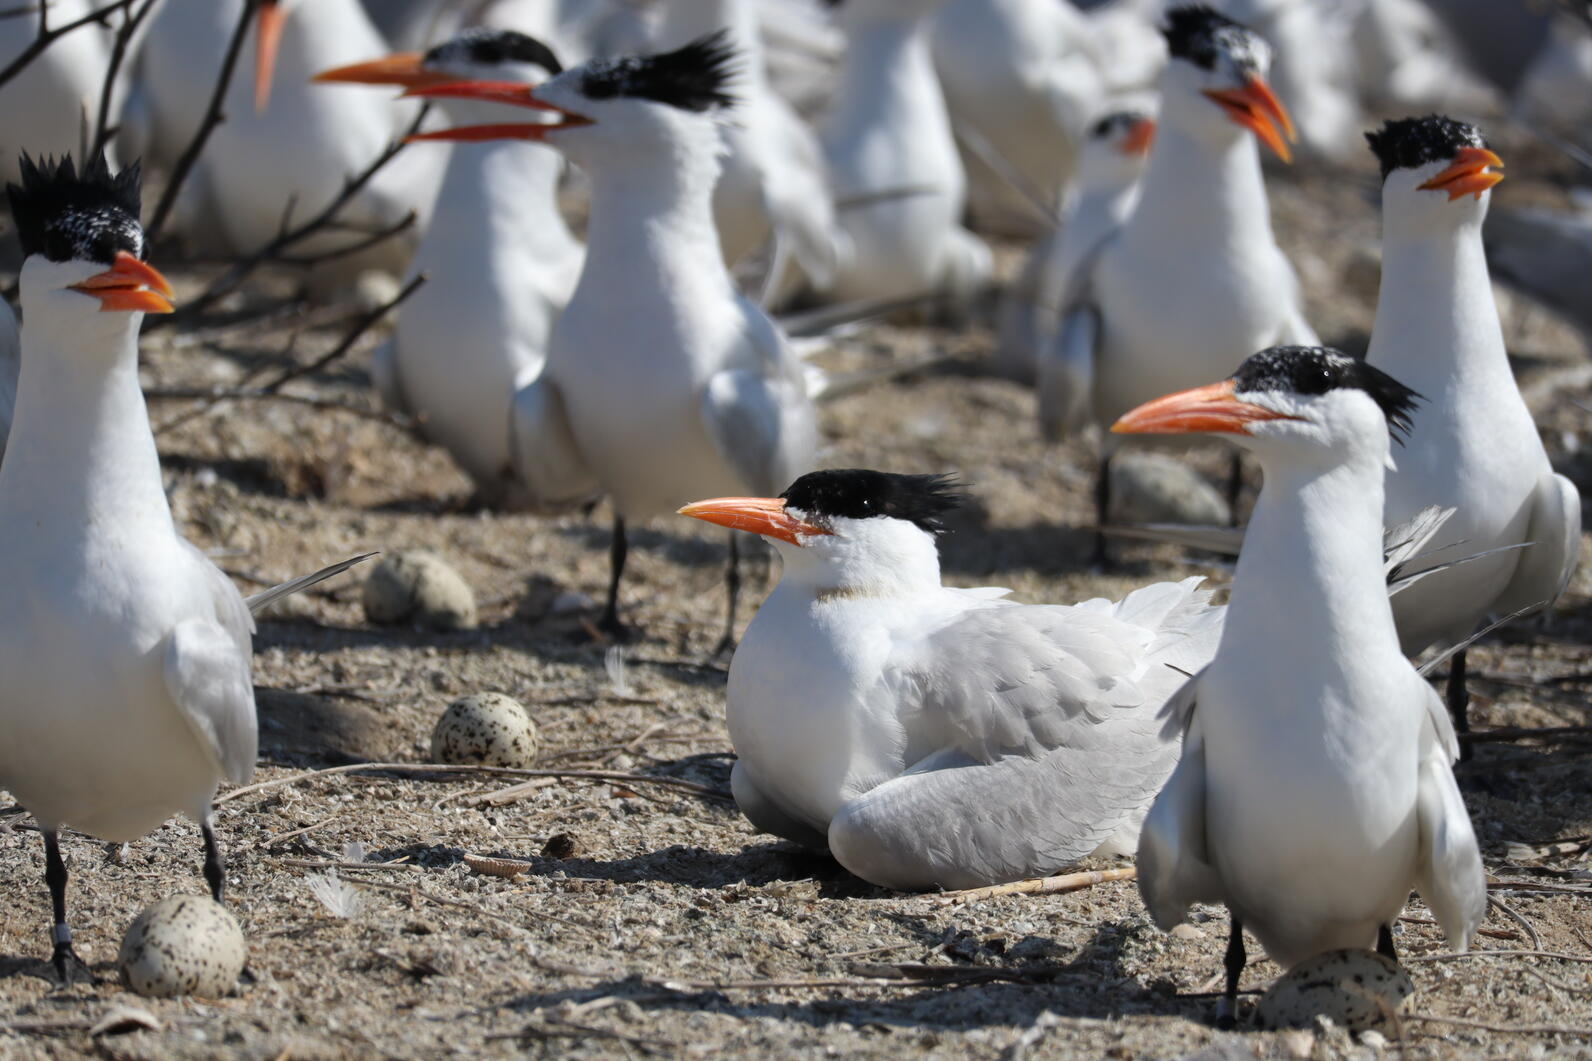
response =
{"points": [[1313, 553], [887, 76], [1202, 192], [664, 211], [1436, 299], [80, 453], [500, 190]]}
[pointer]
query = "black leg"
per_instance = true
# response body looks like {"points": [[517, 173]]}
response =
{"points": [[732, 586], [1102, 558], [1384, 943], [69, 968], [1227, 1009], [1235, 487], [215, 873], [1459, 702], [618, 548]]}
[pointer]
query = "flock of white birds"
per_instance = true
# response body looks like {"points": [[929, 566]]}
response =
{"points": [[1280, 754]]}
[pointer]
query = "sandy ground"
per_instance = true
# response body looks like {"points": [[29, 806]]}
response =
{"points": [[650, 918]]}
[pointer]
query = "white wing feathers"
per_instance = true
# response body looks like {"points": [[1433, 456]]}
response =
{"points": [[1545, 568], [1173, 858], [208, 675], [1449, 872]]}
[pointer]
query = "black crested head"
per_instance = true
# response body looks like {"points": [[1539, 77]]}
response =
{"points": [[1116, 122], [1319, 369], [483, 46], [1199, 34], [70, 216], [1409, 143], [692, 78], [857, 493]]}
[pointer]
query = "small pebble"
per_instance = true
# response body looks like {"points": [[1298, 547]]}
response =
{"points": [[487, 729], [420, 589], [183, 945], [1357, 990]]}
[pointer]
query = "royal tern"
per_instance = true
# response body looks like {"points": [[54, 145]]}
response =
{"points": [[900, 190], [1478, 450], [682, 386], [1021, 82], [126, 651], [1194, 273], [286, 148], [1315, 785], [500, 261], [1109, 167], [938, 737]]}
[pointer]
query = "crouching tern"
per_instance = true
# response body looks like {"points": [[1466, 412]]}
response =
{"points": [[1316, 783], [937, 737], [127, 693]]}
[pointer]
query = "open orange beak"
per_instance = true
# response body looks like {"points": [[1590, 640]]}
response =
{"points": [[405, 69], [1212, 408], [1140, 135], [1258, 109], [757, 515], [129, 285], [1468, 174], [267, 39], [514, 93]]}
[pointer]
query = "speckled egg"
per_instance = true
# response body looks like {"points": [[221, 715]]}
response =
{"points": [[487, 729], [419, 588], [184, 945], [1358, 989]]}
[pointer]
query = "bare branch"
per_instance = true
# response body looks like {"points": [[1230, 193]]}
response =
{"points": [[131, 20], [47, 36]]}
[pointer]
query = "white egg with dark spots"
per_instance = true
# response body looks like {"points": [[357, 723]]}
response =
{"points": [[486, 729], [183, 945], [420, 589], [1358, 989]]}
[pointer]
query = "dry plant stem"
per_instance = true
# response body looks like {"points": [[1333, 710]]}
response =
{"points": [[1509, 734], [131, 20], [1522, 1029], [1580, 958], [1038, 886], [48, 36], [207, 125], [444, 768], [1514, 915]]}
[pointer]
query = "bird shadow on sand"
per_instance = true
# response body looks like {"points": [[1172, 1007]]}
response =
{"points": [[758, 865], [1004, 992]]}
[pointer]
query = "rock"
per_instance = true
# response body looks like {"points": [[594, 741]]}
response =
{"points": [[1154, 488], [1358, 990], [1186, 932], [418, 588], [183, 945], [486, 729]]}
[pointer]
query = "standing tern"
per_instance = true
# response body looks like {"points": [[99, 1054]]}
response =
{"points": [[1478, 451], [501, 264], [126, 651], [1195, 272], [899, 184], [681, 386], [1315, 785], [938, 737]]}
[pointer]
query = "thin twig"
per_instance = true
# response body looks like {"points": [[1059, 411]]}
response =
{"points": [[1038, 886], [1509, 734], [370, 240], [501, 771], [131, 20], [1581, 959], [1520, 1029], [213, 396], [47, 36], [1514, 915], [207, 125]]}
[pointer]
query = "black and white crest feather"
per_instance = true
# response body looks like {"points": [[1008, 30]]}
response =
{"points": [[692, 78], [70, 216], [1199, 34], [1410, 143], [490, 47], [857, 493], [1319, 369]]}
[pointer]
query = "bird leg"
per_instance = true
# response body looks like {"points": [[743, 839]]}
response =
{"points": [[1459, 702], [732, 586], [1384, 943], [69, 968], [618, 548], [1102, 492], [215, 873], [1227, 1008], [1235, 487]]}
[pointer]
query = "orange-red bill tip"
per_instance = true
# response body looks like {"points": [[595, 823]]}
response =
{"points": [[129, 284], [1257, 108], [1213, 408], [756, 515], [1470, 173]]}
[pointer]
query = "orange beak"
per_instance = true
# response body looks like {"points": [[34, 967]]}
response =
{"points": [[1258, 109], [1212, 408], [125, 287], [267, 38], [513, 93], [757, 515], [1140, 135], [1468, 174], [406, 69]]}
